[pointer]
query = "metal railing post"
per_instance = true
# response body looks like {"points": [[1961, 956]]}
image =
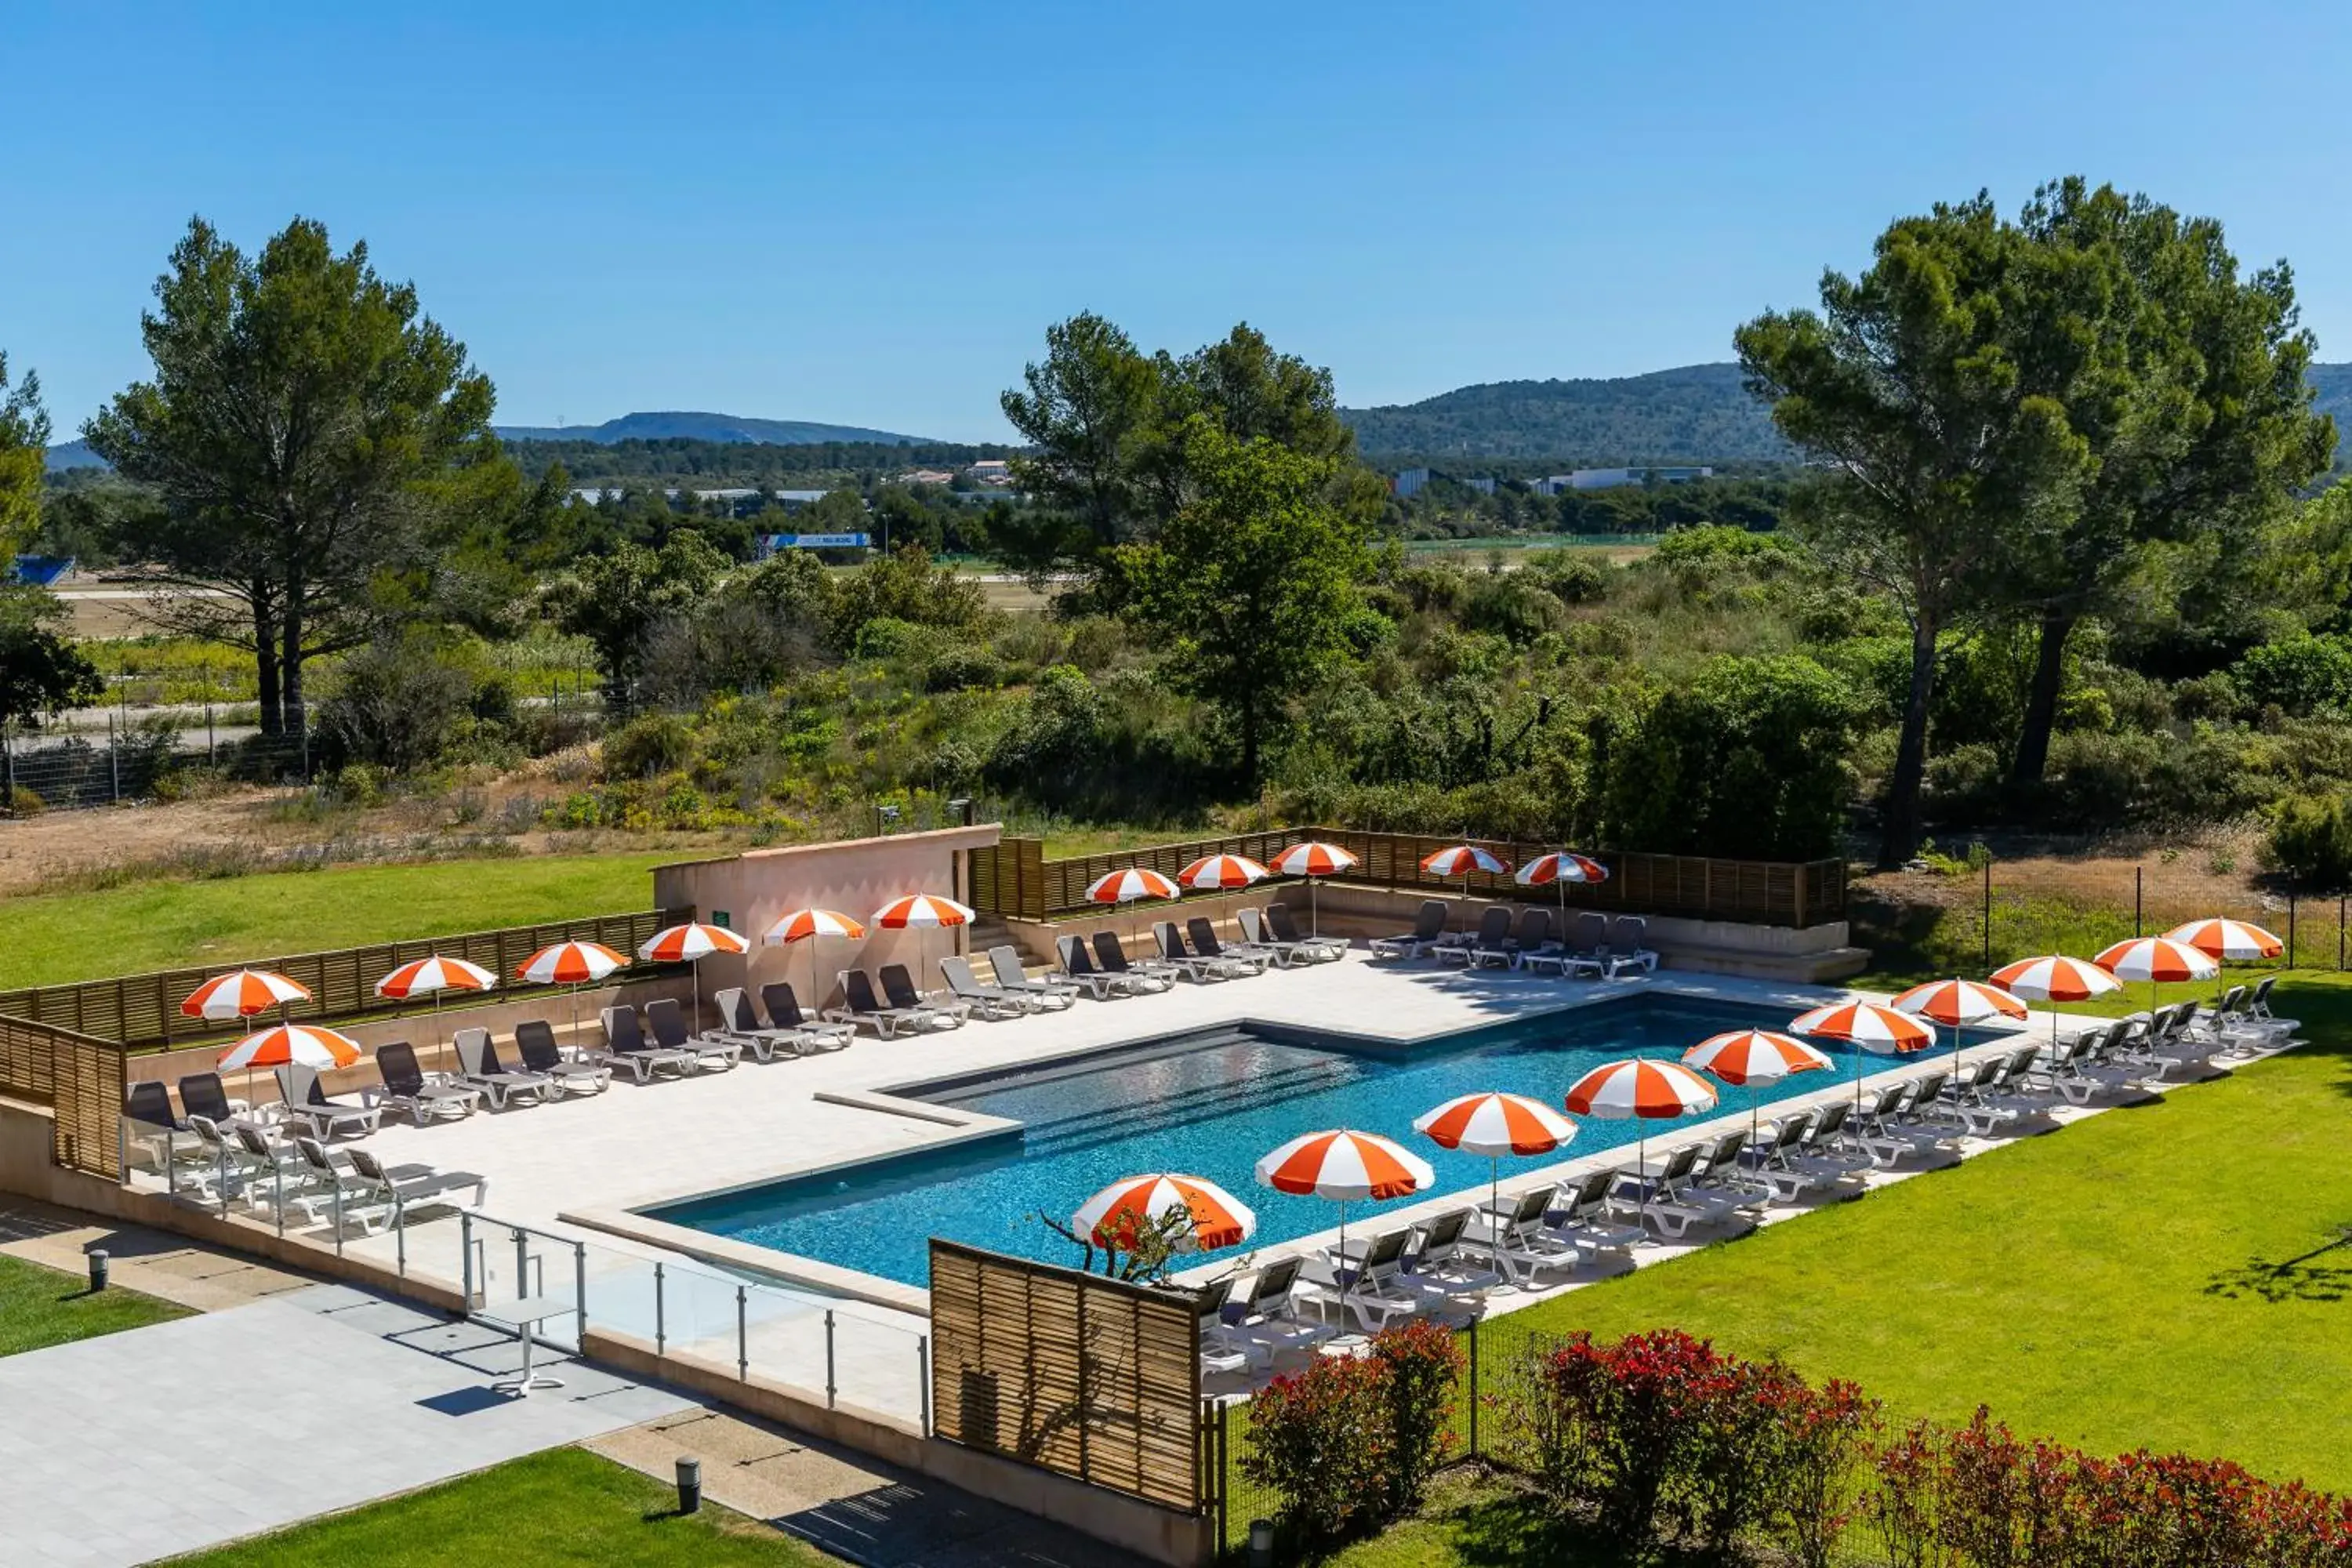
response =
{"points": [[742, 1339], [661, 1324], [580, 1289], [828, 1359], [465, 1248], [522, 1264], [400, 1234], [923, 1378]]}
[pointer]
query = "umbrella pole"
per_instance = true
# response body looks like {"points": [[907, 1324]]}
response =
{"points": [[1494, 1207]]}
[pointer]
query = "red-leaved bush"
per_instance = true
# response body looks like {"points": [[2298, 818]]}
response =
{"points": [[1349, 1441]]}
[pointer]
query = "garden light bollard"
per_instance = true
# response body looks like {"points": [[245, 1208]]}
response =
{"points": [[689, 1484], [1261, 1543], [98, 1268]]}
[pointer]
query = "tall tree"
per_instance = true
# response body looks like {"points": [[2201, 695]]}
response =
{"points": [[1083, 410], [1914, 387], [24, 455], [301, 410], [2185, 381], [41, 671], [1251, 586]]}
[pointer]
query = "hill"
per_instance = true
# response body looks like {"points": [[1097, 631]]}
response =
{"points": [[73, 454], [1698, 413], [694, 427]]}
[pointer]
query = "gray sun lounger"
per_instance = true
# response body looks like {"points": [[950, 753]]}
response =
{"points": [[405, 1186], [862, 1008], [712, 1053], [1490, 944], [1194, 966], [1110, 954], [1284, 928], [1428, 927], [478, 1065], [737, 1021], [986, 1002], [1013, 975], [626, 1046], [784, 1011], [1078, 970], [1202, 935], [535, 1043], [408, 1089], [898, 989], [306, 1101]]}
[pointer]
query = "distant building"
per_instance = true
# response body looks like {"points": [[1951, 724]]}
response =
{"points": [[1412, 481], [992, 471], [927, 477], [1613, 479]]}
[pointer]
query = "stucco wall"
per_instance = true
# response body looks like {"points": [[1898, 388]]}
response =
{"points": [[855, 876]]}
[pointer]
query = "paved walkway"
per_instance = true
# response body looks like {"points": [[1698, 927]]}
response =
{"points": [[171, 1439], [848, 1503], [153, 1262]]}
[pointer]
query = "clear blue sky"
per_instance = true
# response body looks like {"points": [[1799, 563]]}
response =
{"points": [[868, 213]]}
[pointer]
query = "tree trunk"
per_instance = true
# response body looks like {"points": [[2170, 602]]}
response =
{"points": [[265, 666], [2041, 701], [1899, 831], [290, 664]]}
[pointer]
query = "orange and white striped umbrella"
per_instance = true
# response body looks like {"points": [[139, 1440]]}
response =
{"points": [[287, 1044], [1215, 872], [1345, 1165], [569, 964], [1127, 887], [241, 994], [1113, 1216], [1559, 865], [800, 925], [1314, 859], [2226, 939], [1639, 1088], [2157, 958], [1461, 859], [690, 942], [1496, 1124], [1753, 1056], [1960, 1002], [431, 975], [921, 911], [2055, 978], [1882, 1031]]}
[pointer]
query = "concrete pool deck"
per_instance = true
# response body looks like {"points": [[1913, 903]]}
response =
{"points": [[579, 1167]]}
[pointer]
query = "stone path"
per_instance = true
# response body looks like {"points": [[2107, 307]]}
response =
{"points": [[845, 1502], [163, 1441], [156, 1263]]}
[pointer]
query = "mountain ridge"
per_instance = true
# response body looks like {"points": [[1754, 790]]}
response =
{"points": [[694, 425]]}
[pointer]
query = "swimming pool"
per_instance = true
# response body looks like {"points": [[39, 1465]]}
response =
{"points": [[1209, 1104]]}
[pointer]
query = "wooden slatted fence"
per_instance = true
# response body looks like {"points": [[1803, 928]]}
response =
{"points": [[143, 1010], [1015, 879], [1087, 1377], [80, 1077]]}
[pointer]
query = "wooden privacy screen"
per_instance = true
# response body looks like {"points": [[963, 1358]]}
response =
{"points": [[1015, 878], [80, 1078], [1081, 1375], [144, 1009]]}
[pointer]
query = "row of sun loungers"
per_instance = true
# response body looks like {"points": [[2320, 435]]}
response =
{"points": [[1592, 946], [1444, 1266]]}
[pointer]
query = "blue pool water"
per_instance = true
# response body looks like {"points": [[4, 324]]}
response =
{"points": [[1209, 1105]]}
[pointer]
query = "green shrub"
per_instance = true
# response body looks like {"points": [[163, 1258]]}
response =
{"points": [[24, 800], [2298, 675], [1746, 760], [1569, 575], [960, 668], [396, 704], [2310, 839], [649, 744]]}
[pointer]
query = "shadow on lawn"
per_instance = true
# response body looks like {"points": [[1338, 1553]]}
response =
{"points": [[1502, 1525], [2296, 1279]]}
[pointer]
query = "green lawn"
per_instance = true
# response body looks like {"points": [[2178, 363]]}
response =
{"points": [[59, 937], [41, 1306], [2165, 1276], [566, 1506]]}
